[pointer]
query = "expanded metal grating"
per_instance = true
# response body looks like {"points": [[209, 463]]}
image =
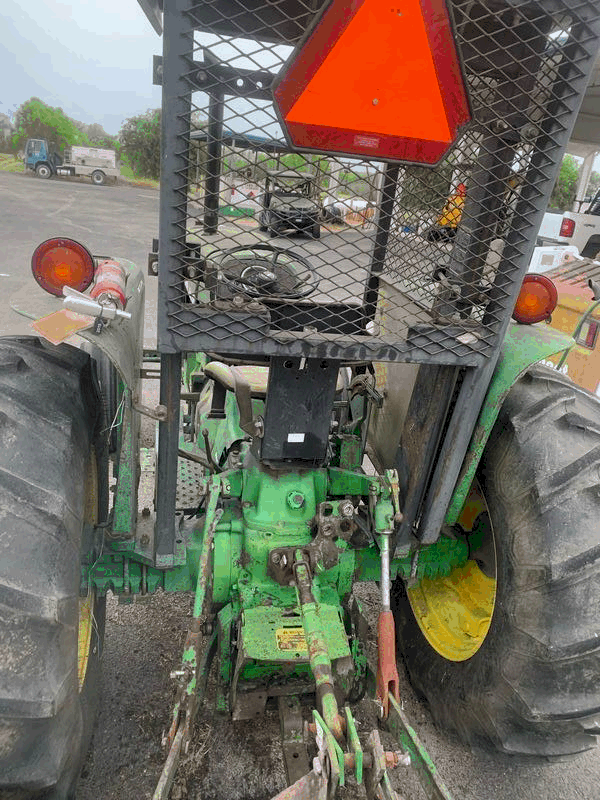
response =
{"points": [[352, 259]]}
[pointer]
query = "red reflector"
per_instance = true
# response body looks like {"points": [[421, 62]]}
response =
{"points": [[377, 81], [536, 301], [62, 262], [590, 339], [567, 227]]}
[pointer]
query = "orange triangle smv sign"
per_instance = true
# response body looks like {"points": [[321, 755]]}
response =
{"points": [[376, 79]]}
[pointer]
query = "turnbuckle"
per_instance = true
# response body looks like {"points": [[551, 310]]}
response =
{"points": [[387, 671]]}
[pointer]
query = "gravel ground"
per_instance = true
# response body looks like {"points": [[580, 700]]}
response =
{"points": [[242, 761], [227, 761]]}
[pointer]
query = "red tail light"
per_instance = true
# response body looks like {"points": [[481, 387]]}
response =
{"points": [[536, 301], [567, 227], [62, 262]]}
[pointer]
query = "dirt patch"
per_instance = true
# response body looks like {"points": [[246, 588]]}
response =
{"points": [[142, 645]]}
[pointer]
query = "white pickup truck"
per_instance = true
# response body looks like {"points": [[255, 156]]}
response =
{"points": [[574, 228]]}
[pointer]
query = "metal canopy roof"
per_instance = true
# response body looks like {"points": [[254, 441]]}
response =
{"points": [[153, 11], [245, 141], [586, 133]]}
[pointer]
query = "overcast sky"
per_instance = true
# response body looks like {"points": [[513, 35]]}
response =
{"points": [[93, 58]]}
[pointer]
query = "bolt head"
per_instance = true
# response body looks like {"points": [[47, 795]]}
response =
{"points": [[296, 500], [347, 509]]}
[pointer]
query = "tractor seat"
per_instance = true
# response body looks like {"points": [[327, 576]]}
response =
{"points": [[257, 377]]}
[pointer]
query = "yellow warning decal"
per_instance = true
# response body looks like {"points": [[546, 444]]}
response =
{"points": [[291, 639]]}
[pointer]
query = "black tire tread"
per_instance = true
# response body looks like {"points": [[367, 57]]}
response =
{"points": [[49, 421], [534, 687]]}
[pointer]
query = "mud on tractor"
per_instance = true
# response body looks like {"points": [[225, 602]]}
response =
{"points": [[360, 407]]}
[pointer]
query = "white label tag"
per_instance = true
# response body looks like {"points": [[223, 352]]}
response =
{"points": [[295, 437]]}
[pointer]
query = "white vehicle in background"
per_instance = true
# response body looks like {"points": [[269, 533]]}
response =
{"points": [[579, 229]]}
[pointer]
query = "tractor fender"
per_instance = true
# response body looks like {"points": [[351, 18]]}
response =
{"points": [[523, 346], [121, 340]]}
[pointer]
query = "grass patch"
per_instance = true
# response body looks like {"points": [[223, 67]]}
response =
{"points": [[8, 163], [129, 176]]}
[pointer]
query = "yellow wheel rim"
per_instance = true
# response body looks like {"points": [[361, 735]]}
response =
{"points": [[454, 613], [86, 621], [86, 604]]}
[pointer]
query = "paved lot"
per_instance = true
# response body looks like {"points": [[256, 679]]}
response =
{"points": [[144, 641]]}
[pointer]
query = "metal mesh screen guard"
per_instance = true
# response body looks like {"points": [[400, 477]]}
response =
{"points": [[268, 252]]}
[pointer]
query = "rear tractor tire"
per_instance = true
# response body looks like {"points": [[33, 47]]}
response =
{"points": [[53, 491], [505, 649]]}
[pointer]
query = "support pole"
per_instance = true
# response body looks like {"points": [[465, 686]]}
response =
{"points": [[384, 221], [214, 131], [166, 470]]}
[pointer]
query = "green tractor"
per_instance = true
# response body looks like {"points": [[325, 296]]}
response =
{"points": [[359, 408]]}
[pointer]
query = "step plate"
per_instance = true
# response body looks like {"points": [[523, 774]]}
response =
{"points": [[189, 477]]}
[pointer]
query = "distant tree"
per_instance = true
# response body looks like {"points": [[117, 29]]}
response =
{"points": [[139, 138], [107, 142], [97, 136], [563, 193], [34, 119], [425, 190], [96, 133], [5, 134], [594, 184]]}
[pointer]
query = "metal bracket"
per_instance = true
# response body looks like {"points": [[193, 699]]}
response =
{"points": [[159, 412], [294, 748], [334, 520], [377, 780], [400, 728], [157, 70]]}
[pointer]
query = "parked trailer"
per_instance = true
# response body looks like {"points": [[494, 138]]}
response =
{"points": [[44, 158]]}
